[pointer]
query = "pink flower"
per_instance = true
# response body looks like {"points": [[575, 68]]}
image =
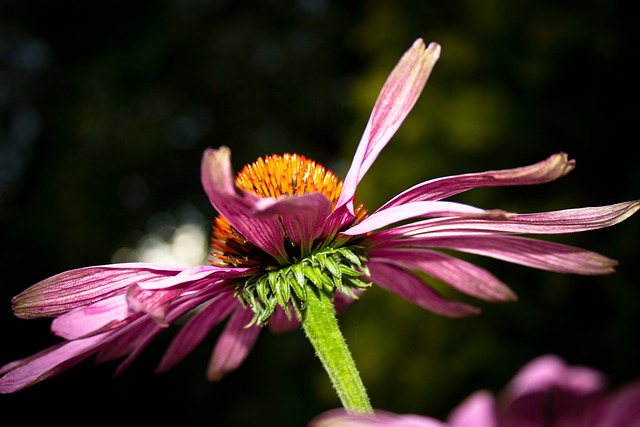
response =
{"points": [[287, 225], [546, 392]]}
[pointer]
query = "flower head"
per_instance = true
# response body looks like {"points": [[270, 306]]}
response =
{"points": [[287, 227], [545, 392]]}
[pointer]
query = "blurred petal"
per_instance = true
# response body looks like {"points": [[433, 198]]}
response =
{"points": [[414, 290], [234, 344], [547, 170], [341, 418], [396, 99], [478, 410]]}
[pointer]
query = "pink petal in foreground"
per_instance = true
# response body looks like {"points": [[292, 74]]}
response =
{"points": [[234, 344], [47, 363], [95, 318], [396, 99], [477, 410], [83, 286]]}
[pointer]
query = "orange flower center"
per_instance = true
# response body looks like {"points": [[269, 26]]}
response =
{"points": [[274, 176]]}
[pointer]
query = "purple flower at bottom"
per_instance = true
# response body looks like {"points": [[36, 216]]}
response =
{"points": [[544, 393], [288, 227]]}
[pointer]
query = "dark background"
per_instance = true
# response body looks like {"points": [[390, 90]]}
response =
{"points": [[106, 107]]}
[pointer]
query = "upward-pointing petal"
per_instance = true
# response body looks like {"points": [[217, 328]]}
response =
{"points": [[396, 99]]}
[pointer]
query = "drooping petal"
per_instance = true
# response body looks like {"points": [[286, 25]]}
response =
{"points": [[92, 319], [396, 99], [47, 363], [234, 344], [518, 250], [547, 170], [414, 290], [396, 214], [194, 331], [83, 286], [155, 303], [239, 207], [303, 216], [463, 276]]}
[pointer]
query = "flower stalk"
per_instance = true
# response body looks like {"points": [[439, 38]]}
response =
{"points": [[321, 326]]}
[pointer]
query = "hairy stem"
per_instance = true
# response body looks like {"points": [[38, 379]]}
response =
{"points": [[321, 326]]}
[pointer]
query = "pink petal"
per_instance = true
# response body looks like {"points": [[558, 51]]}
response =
{"points": [[83, 286], [547, 170], [548, 372], [414, 290], [395, 214], [519, 250], [478, 410], [239, 207], [341, 418], [461, 275], [95, 318], [47, 363], [303, 216], [396, 99], [155, 303], [555, 222], [234, 344], [622, 408], [194, 331]]}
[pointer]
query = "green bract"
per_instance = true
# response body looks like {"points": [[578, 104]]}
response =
{"points": [[328, 269]]}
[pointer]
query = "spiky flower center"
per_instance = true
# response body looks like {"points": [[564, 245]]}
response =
{"points": [[326, 268]]}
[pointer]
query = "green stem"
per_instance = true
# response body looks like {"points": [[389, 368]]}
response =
{"points": [[321, 326]]}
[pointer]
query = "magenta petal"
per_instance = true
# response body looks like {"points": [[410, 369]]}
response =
{"points": [[415, 210], [83, 286], [396, 99], [555, 222], [303, 216], [549, 371], [95, 318], [622, 409], [463, 276], [234, 344], [342, 418], [47, 363], [239, 207], [547, 170], [414, 290], [198, 326], [520, 250], [478, 410]]}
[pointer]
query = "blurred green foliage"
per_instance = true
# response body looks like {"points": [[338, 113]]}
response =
{"points": [[106, 107]]}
